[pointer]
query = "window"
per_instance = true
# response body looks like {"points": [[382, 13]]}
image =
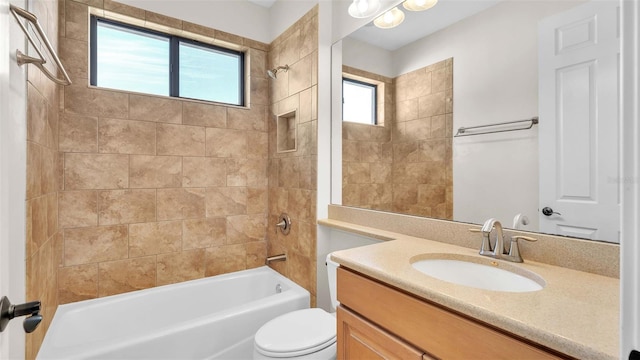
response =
{"points": [[358, 101], [130, 58]]}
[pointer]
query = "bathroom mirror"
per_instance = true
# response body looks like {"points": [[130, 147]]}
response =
{"points": [[476, 63]]}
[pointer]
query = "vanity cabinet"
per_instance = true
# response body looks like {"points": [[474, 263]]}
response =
{"points": [[377, 321]]}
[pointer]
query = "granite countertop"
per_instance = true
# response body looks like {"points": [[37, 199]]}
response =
{"points": [[577, 313]]}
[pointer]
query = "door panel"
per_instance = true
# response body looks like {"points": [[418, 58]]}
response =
{"points": [[579, 123]]}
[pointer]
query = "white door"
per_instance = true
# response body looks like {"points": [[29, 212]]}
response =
{"points": [[579, 124], [12, 177]]}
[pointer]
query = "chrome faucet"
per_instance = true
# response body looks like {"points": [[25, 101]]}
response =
{"points": [[497, 250], [487, 249]]}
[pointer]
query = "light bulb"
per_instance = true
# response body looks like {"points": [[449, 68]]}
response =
{"points": [[363, 5], [388, 17]]}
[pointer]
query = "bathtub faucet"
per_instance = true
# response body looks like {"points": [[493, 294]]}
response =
{"points": [[9, 311], [270, 259]]}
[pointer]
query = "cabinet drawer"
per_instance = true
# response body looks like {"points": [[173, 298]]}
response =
{"points": [[360, 339], [429, 327]]}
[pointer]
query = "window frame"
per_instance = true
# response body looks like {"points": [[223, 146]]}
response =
{"points": [[174, 59], [374, 99]]}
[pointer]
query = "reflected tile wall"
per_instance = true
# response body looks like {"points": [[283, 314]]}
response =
{"points": [[292, 180], [404, 166], [155, 190]]}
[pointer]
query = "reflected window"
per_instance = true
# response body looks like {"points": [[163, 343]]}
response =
{"points": [[358, 101], [129, 58]]}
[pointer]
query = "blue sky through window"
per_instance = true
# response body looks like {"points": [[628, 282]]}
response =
{"points": [[132, 60], [208, 74]]}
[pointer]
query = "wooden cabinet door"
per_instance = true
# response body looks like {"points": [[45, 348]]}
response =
{"points": [[358, 339]]}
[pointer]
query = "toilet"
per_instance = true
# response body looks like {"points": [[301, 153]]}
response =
{"points": [[301, 334]]}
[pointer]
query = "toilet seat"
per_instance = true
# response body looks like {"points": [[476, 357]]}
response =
{"points": [[296, 333]]}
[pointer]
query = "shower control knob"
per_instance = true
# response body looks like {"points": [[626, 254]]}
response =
{"points": [[547, 211]]}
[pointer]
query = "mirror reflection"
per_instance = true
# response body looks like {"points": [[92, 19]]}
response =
{"points": [[463, 64]]}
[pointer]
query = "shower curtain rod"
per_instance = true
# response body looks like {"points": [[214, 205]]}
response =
{"points": [[463, 130], [38, 62]]}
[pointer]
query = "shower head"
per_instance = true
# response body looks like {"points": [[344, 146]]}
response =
{"points": [[273, 73]]}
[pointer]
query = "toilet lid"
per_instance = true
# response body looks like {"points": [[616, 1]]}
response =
{"points": [[296, 333]]}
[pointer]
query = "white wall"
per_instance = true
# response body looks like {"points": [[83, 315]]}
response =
{"points": [[241, 18], [12, 176], [364, 56]]}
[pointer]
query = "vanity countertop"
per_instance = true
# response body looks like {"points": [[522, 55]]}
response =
{"points": [[577, 313]]}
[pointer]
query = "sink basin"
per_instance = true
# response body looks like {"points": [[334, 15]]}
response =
{"points": [[479, 273]]}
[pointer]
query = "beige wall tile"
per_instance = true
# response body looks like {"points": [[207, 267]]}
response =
{"points": [[181, 203], [95, 244], [259, 142], [92, 171], [36, 116], [183, 266], [226, 143], [116, 277], [163, 20], [203, 233], [77, 283], [78, 133], [225, 259], [247, 172], [126, 137], [78, 208], [76, 20], [34, 170], [246, 228], [155, 238], [81, 100], [204, 115], [76, 58], [289, 172], [248, 119], [157, 109], [203, 172], [257, 200], [224, 201], [432, 105], [126, 206], [300, 75], [259, 92], [181, 140], [155, 171]]}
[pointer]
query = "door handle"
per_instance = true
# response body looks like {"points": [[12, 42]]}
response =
{"points": [[547, 211]]}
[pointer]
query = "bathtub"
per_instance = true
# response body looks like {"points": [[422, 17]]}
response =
{"points": [[210, 318]]}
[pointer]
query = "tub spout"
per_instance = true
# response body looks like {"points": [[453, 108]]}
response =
{"points": [[270, 259]]}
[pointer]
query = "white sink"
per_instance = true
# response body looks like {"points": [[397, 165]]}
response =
{"points": [[486, 274]]}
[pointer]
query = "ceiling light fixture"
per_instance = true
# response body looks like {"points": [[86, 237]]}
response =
{"points": [[364, 8], [419, 5], [390, 19]]}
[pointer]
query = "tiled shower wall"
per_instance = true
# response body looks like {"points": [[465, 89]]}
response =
{"points": [[156, 190], [292, 174], [43, 237], [411, 174], [367, 151]]}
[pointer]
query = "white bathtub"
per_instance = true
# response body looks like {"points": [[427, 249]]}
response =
{"points": [[211, 318]]}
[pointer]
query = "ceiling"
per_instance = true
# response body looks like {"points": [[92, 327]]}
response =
{"points": [[422, 23]]}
